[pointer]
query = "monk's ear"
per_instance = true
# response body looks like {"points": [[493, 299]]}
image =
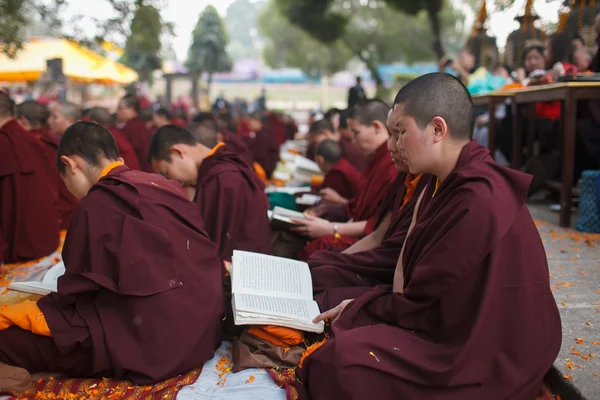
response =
{"points": [[380, 128], [70, 164], [177, 150], [440, 128], [121, 160]]}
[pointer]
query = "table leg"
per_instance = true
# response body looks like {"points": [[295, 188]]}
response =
{"points": [[492, 126], [531, 131], [517, 138], [568, 158]]}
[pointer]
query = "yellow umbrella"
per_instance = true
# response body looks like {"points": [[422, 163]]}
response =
{"points": [[79, 64]]}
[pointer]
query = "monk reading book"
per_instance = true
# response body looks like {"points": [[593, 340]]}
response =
{"points": [[470, 314], [340, 175], [368, 121], [134, 128], [262, 142], [372, 260], [101, 115], [141, 298], [29, 220], [224, 187], [32, 117]]}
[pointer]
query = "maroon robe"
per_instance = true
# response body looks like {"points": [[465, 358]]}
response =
{"points": [[338, 276], [142, 296], [375, 181], [476, 319], [139, 136], [265, 149], [29, 220], [232, 204], [67, 203], [237, 145], [351, 153], [344, 178], [126, 150]]}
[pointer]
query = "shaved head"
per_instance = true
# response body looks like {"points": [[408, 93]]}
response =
{"points": [[100, 115], [165, 138], [205, 133], [70, 111], [367, 111], [330, 150], [33, 112], [88, 140], [321, 126], [438, 95], [7, 105]]}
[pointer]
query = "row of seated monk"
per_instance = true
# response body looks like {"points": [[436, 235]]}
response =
{"points": [[437, 284]]}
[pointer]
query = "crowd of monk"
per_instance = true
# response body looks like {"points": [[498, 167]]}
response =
{"points": [[422, 250]]}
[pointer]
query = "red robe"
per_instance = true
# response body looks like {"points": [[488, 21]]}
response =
{"points": [[29, 220], [67, 203], [236, 144], [126, 150], [351, 153], [139, 136], [338, 276], [344, 178], [476, 319], [142, 296], [375, 181], [265, 149], [232, 204]]}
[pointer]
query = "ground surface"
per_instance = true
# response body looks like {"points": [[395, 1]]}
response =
{"points": [[574, 261]]}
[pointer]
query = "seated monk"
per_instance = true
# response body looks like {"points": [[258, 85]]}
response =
{"points": [[129, 115], [324, 129], [29, 220], [138, 265], [226, 190], [368, 121], [470, 314], [372, 260], [340, 175], [262, 143], [32, 117], [101, 115]]}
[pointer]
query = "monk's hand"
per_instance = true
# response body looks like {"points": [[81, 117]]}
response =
{"points": [[332, 314], [312, 227], [330, 196]]}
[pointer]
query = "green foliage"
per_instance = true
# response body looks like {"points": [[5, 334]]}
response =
{"points": [[241, 23], [208, 53], [143, 45], [12, 20], [316, 17], [286, 45]]}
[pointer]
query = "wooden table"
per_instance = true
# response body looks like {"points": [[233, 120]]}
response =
{"points": [[568, 93], [492, 100]]}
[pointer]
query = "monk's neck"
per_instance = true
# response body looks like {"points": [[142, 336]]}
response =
{"points": [[102, 169], [5, 120], [199, 153], [450, 155]]}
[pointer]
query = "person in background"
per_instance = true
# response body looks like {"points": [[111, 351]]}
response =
{"points": [[578, 43], [583, 60], [161, 117], [559, 55], [134, 128], [340, 175], [356, 93]]}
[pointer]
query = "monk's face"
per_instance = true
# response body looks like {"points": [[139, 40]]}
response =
{"points": [[124, 112], [181, 168], [415, 145], [392, 144], [368, 138], [346, 133], [58, 122]]}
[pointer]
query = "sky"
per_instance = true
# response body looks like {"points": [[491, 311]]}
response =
{"points": [[184, 14]]}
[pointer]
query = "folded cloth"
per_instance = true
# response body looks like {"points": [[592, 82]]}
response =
{"points": [[277, 335], [26, 316], [250, 351]]}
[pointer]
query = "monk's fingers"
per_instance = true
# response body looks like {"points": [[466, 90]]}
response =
{"points": [[326, 315], [299, 222], [308, 217]]}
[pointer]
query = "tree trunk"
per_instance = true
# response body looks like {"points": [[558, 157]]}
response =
{"points": [[380, 88], [433, 11], [209, 83]]}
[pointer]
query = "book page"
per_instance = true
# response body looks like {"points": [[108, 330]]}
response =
{"points": [[302, 310], [54, 273], [261, 274], [284, 212]]}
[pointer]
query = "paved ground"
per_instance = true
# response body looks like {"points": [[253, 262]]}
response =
{"points": [[574, 261]]}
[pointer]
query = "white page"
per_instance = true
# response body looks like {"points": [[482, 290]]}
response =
{"points": [[301, 310], [54, 273], [41, 288], [261, 274], [307, 165], [284, 212]]}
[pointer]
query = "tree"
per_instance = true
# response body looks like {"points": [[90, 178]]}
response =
{"points": [[289, 46], [143, 45], [241, 23], [12, 20], [208, 53]]}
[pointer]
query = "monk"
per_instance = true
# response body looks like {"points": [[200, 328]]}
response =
{"points": [[134, 128], [29, 220], [470, 314], [324, 129], [101, 115], [368, 122], [224, 187], [263, 143], [340, 175], [372, 260], [62, 115], [161, 117], [138, 265], [32, 117]]}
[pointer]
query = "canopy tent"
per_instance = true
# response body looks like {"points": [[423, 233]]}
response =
{"points": [[79, 64]]}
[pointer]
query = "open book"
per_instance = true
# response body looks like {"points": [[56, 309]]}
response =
{"points": [[46, 286], [306, 169], [270, 290], [281, 218]]}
